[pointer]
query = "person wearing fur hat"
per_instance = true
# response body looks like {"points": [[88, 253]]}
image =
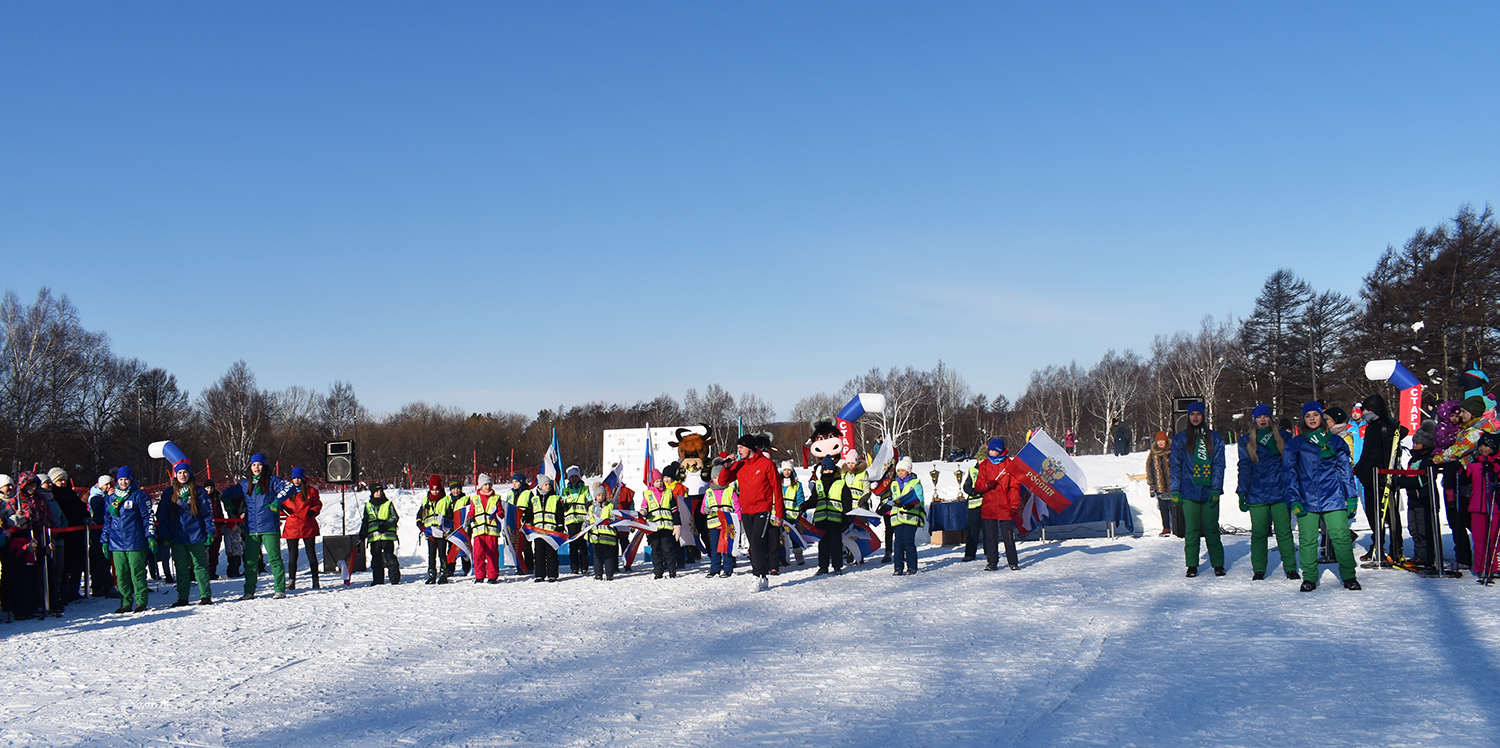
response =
{"points": [[130, 534], [378, 528], [575, 497], [1159, 477], [1001, 510], [1317, 477], [1259, 489], [828, 503], [264, 495], [908, 512], [761, 510], [657, 507], [300, 513], [71, 547], [187, 524], [1197, 481], [547, 514], [485, 529]]}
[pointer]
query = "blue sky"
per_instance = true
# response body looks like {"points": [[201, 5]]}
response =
{"points": [[515, 206]]}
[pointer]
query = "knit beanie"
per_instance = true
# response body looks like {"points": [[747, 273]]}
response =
{"points": [[1196, 407], [519, 478], [1261, 410], [57, 475], [904, 464], [298, 472], [998, 444], [1425, 435], [1476, 406], [258, 457], [1312, 407], [188, 466], [125, 472]]}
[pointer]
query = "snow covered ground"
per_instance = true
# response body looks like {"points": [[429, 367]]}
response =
{"points": [[1092, 642]]}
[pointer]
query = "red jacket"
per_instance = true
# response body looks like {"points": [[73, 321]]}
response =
{"points": [[301, 513], [1001, 489], [759, 484]]}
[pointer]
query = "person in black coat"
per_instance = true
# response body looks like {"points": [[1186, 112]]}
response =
{"points": [[1120, 434], [72, 548], [1382, 438]]}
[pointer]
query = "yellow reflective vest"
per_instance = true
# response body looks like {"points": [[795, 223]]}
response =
{"points": [[906, 502], [718, 498]]}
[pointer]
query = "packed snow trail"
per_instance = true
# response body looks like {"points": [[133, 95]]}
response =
{"points": [[1093, 642]]}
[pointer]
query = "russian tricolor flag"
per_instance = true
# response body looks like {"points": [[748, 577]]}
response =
{"points": [[554, 538], [865, 402], [1054, 479]]}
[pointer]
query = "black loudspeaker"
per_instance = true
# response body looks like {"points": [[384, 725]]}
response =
{"points": [[338, 548], [341, 467]]}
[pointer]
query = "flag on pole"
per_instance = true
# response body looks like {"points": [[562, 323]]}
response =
{"points": [[554, 538], [552, 461], [650, 460], [1053, 478], [614, 477]]}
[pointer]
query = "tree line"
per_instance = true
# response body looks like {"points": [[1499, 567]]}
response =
{"points": [[67, 399]]}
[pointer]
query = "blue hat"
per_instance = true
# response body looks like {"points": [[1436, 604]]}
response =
{"points": [[258, 457], [828, 465], [1312, 407], [1261, 410], [998, 444], [124, 472], [298, 472], [182, 465], [519, 478], [1196, 407]]}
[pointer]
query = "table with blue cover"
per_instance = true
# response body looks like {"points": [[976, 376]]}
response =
{"points": [[1109, 508], [947, 516]]}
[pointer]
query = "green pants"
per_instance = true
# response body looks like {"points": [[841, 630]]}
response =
{"points": [[270, 542], [1201, 520], [130, 576], [1264, 520], [191, 557], [1338, 535]]}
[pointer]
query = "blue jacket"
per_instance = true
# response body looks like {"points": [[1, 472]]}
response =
{"points": [[1321, 485], [1260, 482], [259, 516], [1181, 471], [178, 523], [134, 527]]}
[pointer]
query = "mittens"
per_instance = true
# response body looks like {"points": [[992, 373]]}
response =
{"points": [[1353, 507], [1298, 510]]}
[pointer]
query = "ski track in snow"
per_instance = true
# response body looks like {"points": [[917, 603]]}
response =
{"points": [[1093, 642]]}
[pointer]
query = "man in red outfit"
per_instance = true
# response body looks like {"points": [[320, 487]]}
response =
{"points": [[1001, 507], [760, 502]]}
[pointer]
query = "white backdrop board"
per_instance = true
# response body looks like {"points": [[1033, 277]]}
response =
{"points": [[628, 447]]}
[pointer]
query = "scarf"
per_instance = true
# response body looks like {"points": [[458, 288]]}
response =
{"points": [[995, 460], [114, 505], [1203, 470], [1323, 440], [1266, 438]]}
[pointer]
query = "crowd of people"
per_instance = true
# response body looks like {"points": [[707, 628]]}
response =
{"points": [[1312, 476], [1305, 478]]}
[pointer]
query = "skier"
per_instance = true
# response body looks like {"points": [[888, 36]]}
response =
{"points": [[1382, 448], [1419, 507], [718, 504], [432, 522], [547, 514], [1159, 478], [658, 506], [1483, 474], [130, 534], [378, 528], [1318, 478], [484, 531], [603, 540], [301, 514], [575, 496], [1475, 420], [760, 502], [263, 496], [1259, 488], [907, 514], [1002, 505], [1449, 426], [1197, 481], [828, 502], [187, 522]]}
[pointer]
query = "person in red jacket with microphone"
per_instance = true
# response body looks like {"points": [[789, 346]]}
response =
{"points": [[300, 516], [760, 502], [1001, 507]]}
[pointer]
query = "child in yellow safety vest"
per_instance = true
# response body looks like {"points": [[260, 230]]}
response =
{"points": [[603, 539], [484, 531]]}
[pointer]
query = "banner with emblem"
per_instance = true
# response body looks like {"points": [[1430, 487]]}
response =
{"points": [[1053, 478]]}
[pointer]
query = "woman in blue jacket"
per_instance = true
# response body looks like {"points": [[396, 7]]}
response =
{"points": [[187, 521], [1318, 478], [263, 496], [1197, 481], [130, 535], [1260, 493]]}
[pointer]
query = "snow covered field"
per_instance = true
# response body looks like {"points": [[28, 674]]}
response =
{"points": [[1092, 642]]}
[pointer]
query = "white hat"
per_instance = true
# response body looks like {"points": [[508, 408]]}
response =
{"points": [[104, 480], [573, 470], [5, 480], [484, 480], [57, 475], [904, 464]]}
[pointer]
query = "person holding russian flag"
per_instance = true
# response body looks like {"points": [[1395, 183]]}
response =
{"points": [[1197, 481], [1002, 505], [1318, 478]]}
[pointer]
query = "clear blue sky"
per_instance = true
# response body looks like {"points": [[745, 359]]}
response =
{"points": [[513, 206]]}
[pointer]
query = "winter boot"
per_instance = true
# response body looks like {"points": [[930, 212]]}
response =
{"points": [[316, 586], [1219, 571], [1309, 585], [178, 604], [279, 596], [206, 601], [1352, 584], [1192, 571], [1257, 576], [138, 609], [1293, 575]]}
